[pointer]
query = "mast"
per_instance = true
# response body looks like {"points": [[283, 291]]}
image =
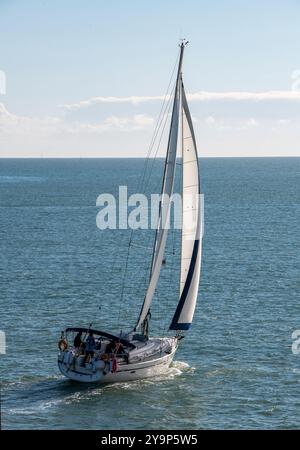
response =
{"points": [[165, 204]]}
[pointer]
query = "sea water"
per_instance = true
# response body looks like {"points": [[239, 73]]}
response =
{"points": [[234, 369]]}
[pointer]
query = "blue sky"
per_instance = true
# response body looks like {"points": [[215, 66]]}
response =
{"points": [[62, 53]]}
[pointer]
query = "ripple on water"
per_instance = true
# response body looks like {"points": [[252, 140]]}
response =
{"points": [[19, 179], [241, 371]]}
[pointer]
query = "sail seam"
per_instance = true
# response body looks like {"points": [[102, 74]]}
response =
{"points": [[190, 185], [188, 162]]}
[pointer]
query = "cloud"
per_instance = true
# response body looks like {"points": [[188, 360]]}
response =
{"points": [[283, 121], [210, 120], [129, 135], [134, 100], [202, 96], [223, 124], [19, 125], [136, 122], [252, 122], [246, 96], [11, 124], [115, 123]]}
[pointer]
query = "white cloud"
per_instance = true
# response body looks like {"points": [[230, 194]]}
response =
{"points": [[11, 124], [134, 100], [283, 121], [19, 125], [25, 136], [252, 122], [114, 123], [137, 122], [202, 96], [246, 96], [223, 124], [210, 120]]}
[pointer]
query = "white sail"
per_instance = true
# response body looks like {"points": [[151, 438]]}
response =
{"points": [[191, 225], [167, 191]]}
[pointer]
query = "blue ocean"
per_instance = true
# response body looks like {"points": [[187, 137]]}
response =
{"points": [[234, 369]]}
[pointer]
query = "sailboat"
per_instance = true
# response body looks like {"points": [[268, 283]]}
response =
{"points": [[137, 355]]}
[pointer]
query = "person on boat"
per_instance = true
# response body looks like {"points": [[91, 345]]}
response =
{"points": [[90, 344], [110, 348], [120, 348], [98, 344], [78, 340], [114, 347]]}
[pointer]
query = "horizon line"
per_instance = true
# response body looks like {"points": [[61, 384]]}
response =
{"points": [[141, 157]]}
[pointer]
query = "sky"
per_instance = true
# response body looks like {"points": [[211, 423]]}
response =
{"points": [[87, 79]]}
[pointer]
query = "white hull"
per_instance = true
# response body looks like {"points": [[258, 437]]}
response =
{"points": [[101, 373]]}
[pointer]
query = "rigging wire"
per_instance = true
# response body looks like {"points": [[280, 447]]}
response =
{"points": [[167, 112], [158, 124]]}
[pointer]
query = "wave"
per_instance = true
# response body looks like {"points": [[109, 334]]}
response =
{"points": [[26, 380], [19, 179], [176, 369], [52, 391]]}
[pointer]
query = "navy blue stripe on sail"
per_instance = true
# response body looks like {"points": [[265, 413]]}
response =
{"points": [[175, 325], [182, 326]]}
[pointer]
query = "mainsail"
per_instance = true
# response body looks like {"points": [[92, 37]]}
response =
{"points": [[165, 204]]}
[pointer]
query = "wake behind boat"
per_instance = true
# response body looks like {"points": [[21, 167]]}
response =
{"points": [[97, 356]]}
